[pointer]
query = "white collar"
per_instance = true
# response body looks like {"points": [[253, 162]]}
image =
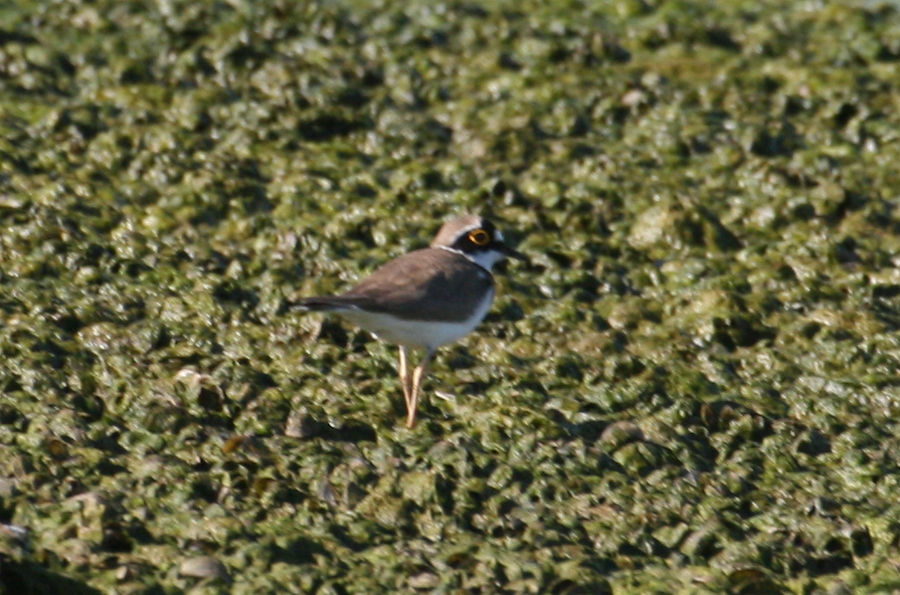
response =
{"points": [[485, 260]]}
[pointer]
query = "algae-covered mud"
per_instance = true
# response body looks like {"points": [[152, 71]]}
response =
{"points": [[692, 388]]}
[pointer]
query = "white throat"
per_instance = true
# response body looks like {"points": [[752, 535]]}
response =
{"points": [[487, 259]]}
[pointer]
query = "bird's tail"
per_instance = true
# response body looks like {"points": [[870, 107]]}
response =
{"points": [[331, 303]]}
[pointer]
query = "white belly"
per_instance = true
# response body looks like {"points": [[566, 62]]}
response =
{"points": [[417, 333]]}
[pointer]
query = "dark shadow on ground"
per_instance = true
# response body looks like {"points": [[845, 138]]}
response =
{"points": [[30, 578]]}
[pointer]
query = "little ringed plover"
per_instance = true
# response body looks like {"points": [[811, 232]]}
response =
{"points": [[426, 298]]}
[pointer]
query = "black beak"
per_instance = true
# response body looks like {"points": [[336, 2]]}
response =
{"points": [[510, 252]]}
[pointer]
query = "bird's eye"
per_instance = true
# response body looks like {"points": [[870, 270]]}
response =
{"points": [[479, 237]]}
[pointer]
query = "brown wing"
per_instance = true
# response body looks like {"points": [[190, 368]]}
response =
{"points": [[431, 283]]}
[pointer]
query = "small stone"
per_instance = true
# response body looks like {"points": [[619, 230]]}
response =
{"points": [[7, 487], [203, 567], [621, 433], [424, 580], [301, 425]]}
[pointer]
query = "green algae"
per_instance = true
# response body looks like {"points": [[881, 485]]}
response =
{"points": [[691, 388]]}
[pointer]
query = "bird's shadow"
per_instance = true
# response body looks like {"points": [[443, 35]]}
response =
{"points": [[24, 577]]}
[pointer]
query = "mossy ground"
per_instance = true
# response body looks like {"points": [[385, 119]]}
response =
{"points": [[693, 388]]}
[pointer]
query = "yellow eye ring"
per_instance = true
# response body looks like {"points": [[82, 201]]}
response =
{"points": [[479, 237]]}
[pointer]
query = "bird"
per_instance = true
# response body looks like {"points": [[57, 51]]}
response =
{"points": [[426, 298]]}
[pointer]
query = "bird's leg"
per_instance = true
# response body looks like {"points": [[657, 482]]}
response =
{"points": [[418, 376], [405, 378]]}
